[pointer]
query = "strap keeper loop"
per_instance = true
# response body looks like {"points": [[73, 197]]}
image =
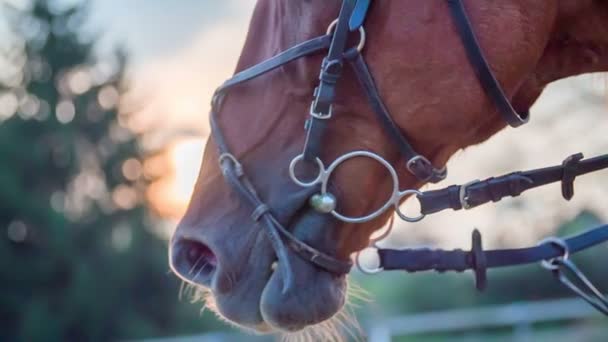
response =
{"points": [[569, 173], [259, 212], [479, 262], [331, 71]]}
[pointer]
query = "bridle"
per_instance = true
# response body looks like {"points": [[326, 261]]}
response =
{"points": [[553, 253]]}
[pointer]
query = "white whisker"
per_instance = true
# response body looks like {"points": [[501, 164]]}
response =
{"points": [[195, 264], [341, 327]]}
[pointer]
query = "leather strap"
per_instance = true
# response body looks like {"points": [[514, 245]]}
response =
{"points": [[417, 260], [482, 68], [303, 49], [511, 185], [359, 14], [325, 94], [274, 230], [417, 164]]}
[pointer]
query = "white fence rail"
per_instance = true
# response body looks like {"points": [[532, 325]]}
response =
{"points": [[520, 316]]}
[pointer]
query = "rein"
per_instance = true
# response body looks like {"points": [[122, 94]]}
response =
{"points": [[553, 252]]}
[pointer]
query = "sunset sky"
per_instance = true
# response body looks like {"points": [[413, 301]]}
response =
{"points": [[181, 50]]}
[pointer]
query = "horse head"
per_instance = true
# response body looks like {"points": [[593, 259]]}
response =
{"points": [[273, 253]]}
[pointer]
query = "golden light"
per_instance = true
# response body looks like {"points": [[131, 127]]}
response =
{"points": [[131, 169], [124, 197], [108, 97], [171, 193], [80, 82]]}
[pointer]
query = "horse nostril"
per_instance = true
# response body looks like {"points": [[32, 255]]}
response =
{"points": [[194, 261]]}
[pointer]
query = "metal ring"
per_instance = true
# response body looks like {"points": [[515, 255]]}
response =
{"points": [[365, 270], [551, 264], [238, 168], [414, 160], [294, 178], [228, 156], [402, 215], [362, 34], [388, 228], [394, 196], [231, 158]]}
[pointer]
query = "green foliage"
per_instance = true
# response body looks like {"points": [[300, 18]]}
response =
{"points": [[79, 259]]}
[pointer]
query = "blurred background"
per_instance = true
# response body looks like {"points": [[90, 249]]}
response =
{"points": [[103, 117]]}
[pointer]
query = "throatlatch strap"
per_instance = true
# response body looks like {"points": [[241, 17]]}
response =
{"points": [[420, 167], [482, 68]]}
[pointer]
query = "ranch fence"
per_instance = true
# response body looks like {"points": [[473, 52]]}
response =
{"points": [[470, 324]]}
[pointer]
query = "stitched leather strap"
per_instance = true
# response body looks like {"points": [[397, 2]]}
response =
{"points": [[514, 184], [416, 260], [325, 93]]}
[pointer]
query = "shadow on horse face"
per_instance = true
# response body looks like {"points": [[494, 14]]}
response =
{"points": [[423, 77]]}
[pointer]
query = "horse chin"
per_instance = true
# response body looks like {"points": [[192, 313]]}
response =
{"points": [[258, 303], [317, 295]]}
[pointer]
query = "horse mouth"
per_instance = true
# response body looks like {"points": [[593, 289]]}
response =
{"points": [[258, 302]]}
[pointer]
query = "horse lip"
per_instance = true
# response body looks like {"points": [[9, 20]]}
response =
{"points": [[278, 309]]}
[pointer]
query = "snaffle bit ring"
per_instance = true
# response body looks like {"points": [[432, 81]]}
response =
{"points": [[554, 263], [369, 270], [395, 196], [362, 34], [325, 174], [295, 179], [403, 216]]}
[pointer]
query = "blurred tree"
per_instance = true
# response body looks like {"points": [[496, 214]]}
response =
{"points": [[79, 259]]}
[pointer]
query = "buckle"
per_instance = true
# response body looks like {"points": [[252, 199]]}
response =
{"points": [[321, 116], [463, 195]]}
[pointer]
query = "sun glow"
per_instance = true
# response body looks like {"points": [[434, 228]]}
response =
{"points": [[179, 167]]}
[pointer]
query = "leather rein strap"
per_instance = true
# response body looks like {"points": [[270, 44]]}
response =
{"points": [[457, 197], [479, 260]]}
